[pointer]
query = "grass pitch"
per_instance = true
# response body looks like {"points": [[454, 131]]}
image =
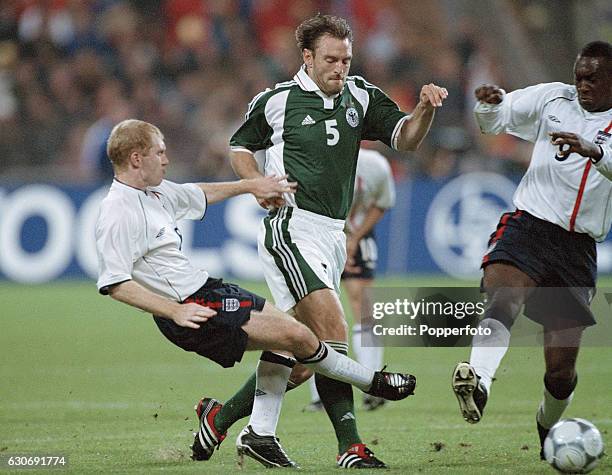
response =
{"points": [[94, 380]]}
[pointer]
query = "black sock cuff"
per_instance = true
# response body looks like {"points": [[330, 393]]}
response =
{"points": [[554, 392], [275, 358], [339, 346], [317, 356]]}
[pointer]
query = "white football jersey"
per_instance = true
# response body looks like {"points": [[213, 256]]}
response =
{"points": [[374, 186], [573, 193], [137, 238]]}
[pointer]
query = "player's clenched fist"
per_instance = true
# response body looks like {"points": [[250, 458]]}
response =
{"points": [[489, 93], [433, 95], [573, 143]]}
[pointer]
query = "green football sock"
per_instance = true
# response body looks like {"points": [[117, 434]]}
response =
{"points": [[337, 399], [238, 406]]}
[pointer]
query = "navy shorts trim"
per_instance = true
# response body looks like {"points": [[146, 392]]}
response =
{"points": [[220, 339], [366, 258], [552, 257]]}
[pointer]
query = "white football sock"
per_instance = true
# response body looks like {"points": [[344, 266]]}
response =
{"points": [[314, 394], [332, 364], [366, 349], [551, 409], [270, 389], [488, 350]]}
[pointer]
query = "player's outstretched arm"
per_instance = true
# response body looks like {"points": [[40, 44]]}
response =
{"points": [[185, 315], [416, 127], [262, 187], [245, 166]]}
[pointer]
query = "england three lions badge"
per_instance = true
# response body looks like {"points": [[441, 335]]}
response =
{"points": [[602, 137]]}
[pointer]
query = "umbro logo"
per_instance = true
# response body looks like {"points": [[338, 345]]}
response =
{"points": [[554, 118], [259, 392], [347, 417], [161, 233], [308, 120]]}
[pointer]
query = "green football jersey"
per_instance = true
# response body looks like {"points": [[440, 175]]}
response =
{"points": [[315, 138]]}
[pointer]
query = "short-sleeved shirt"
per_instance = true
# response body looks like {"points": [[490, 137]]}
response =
{"points": [[314, 138], [374, 186], [570, 192], [137, 238]]}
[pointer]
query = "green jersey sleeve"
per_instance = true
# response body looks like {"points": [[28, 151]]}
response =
{"points": [[255, 133], [382, 117]]}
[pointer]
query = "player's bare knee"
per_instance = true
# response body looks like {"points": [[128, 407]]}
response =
{"points": [[505, 305], [502, 275]]}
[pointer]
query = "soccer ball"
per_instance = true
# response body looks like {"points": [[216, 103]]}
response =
{"points": [[573, 446]]}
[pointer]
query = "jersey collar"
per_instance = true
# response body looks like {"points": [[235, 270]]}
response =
{"points": [[119, 184], [305, 81], [307, 84], [596, 115]]}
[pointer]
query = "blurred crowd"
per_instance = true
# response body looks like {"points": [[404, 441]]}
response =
{"points": [[70, 70]]}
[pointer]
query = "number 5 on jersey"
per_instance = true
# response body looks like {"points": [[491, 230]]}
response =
{"points": [[331, 130]]}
